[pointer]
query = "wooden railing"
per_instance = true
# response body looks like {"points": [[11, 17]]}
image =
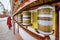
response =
{"points": [[38, 37]]}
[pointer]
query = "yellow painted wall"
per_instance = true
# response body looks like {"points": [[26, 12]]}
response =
{"points": [[34, 20], [54, 21]]}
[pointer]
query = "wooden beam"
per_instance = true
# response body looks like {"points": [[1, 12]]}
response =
{"points": [[32, 4]]}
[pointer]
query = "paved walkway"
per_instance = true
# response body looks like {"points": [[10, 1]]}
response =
{"points": [[5, 33]]}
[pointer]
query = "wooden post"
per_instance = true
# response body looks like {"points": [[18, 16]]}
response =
{"points": [[18, 25], [13, 26], [57, 22], [18, 29], [47, 37]]}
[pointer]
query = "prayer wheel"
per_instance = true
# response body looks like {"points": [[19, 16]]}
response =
{"points": [[20, 18], [26, 18], [45, 19]]}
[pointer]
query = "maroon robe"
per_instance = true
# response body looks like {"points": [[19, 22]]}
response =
{"points": [[9, 22]]}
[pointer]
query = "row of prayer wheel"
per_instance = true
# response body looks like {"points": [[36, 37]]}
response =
{"points": [[24, 18], [44, 19]]}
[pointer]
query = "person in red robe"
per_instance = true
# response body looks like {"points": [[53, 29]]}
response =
{"points": [[9, 22]]}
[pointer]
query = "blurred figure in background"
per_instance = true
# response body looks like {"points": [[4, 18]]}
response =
{"points": [[9, 22]]}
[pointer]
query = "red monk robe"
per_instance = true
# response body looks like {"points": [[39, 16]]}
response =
{"points": [[9, 22]]}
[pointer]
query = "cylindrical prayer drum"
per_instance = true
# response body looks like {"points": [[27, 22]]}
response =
{"points": [[45, 19], [20, 18], [26, 18]]}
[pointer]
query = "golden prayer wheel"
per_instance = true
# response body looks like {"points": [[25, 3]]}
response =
{"points": [[20, 18], [45, 19], [26, 18]]}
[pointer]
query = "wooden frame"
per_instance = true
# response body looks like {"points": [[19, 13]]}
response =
{"points": [[57, 23]]}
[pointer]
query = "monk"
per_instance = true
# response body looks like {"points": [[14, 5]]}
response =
{"points": [[9, 22]]}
